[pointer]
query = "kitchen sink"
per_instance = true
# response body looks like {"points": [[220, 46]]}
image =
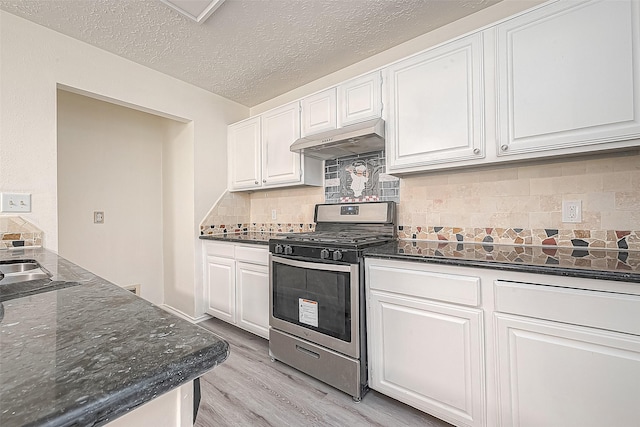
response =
{"points": [[26, 277], [18, 267], [21, 271]]}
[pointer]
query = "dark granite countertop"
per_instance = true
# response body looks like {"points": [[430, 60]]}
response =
{"points": [[252, 237], [87, 351], [562, 261]]}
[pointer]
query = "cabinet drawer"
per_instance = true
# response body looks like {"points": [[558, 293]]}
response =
{"points": [[605, 310], [219, 249], [404, 279], [253, 255]]}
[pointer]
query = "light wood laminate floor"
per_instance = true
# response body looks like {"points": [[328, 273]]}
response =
{"points": [[250, 390]]}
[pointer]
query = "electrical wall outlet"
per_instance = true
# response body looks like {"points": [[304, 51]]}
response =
{"points": [[571, 211], [273, 214], [98, 217], [16, 202]]}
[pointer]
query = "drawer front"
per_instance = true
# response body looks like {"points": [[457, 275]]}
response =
{"points": [[605, 310], [252, 254], [219, 249], [333, 368], [407, 279]]}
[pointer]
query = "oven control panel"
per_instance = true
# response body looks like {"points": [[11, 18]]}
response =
{"points": [[349, 210], [336, 255], [326, 254]]}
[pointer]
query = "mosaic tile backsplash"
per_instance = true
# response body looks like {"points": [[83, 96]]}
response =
{"points": [[359, 179], [16, 232], [624, 240], [507, 204]]}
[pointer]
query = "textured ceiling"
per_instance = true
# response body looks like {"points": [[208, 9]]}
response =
{"points": [[248, 51]]}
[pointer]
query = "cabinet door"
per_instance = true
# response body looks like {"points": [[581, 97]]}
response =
{"points": [[554, 374], [319, 112], [436, 107], [253, 298], [360, 99], [569, 78], [220, 276], [428, 355], [280, 128], [244, 146]]}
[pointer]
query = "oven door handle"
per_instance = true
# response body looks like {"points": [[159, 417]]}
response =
{"points": [[313, 265]]}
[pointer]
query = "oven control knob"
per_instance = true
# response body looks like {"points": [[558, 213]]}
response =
{"points": [[324, 254], [278, 249], [288, 250], [337, 255]]}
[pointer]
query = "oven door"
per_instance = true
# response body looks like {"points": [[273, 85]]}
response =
{"points": [[317, 302]]}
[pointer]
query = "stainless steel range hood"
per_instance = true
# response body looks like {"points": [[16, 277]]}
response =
{"points": [[359, 138]]}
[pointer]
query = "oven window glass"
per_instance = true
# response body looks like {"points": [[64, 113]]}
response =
{"points": [[315, 296]]}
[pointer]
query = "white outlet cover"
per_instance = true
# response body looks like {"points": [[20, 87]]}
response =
{"points": [[15, 202], [571, 211]]}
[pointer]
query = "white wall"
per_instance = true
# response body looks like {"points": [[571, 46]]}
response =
{"points": [[110, 160], [181, 253], [35, 60], [458, 28]]}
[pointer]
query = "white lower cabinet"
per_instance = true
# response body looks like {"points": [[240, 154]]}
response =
{"points": [[554, 374], [252, 286], [236, 280], [570, 361], [424, 350], [488, 347], [220, 275]]}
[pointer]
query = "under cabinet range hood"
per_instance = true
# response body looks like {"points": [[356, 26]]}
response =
{"points": [[359, 138]]}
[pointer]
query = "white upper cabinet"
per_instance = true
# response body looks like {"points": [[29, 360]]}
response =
{"points": [[244, 146], [280, 128], [436, 107], [319, 112], [259, 154], [568, 77], [360, 99], [353, 101]]}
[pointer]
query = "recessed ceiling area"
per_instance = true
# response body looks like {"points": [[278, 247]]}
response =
{"points": [[197, 10], [248, 51]]}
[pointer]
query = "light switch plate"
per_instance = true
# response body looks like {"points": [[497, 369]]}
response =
{"points": [[98, 217], [15, 202]]}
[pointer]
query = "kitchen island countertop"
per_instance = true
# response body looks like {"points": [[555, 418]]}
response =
{"points": [[590, 263], [90, 352]]}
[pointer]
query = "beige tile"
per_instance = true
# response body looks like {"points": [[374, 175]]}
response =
{"points": [[627, 162], [432, 218], [627, 201], [426, 179], [509, 220], [574, 167], [464, 177], [477, 219], [604, 165], [591, 220], [540, 170], [500, 173], [551, 202], [542, 186], [518, 204], [508, 188], [597, 202], [617, 181], [541, 220], [621, 220]]}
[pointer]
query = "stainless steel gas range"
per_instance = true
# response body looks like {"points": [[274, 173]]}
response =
{"points": [[316, 285]]}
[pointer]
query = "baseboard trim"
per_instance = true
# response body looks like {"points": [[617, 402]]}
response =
{"points": [[183, 315]]}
